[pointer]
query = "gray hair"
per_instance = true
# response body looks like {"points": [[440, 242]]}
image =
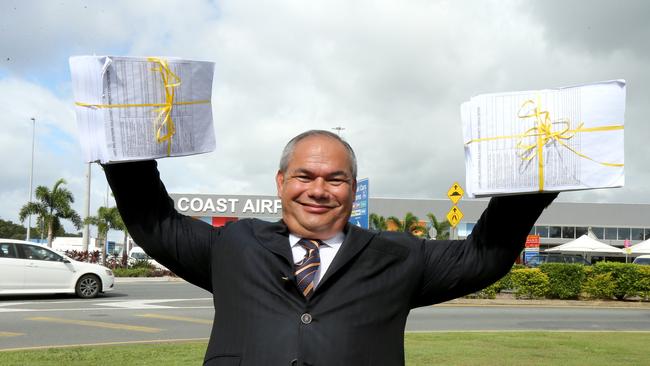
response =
{"points": [[291, 145]]}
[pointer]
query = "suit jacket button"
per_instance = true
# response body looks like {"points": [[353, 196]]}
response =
{"points": [[305, 318]]}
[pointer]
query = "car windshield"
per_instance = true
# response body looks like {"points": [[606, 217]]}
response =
{"points": [[644, 261], [139, 256], [534, 261]]}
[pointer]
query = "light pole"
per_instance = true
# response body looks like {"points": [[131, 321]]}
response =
{"points": [[31, 179], [338, 129], [86, 231]]}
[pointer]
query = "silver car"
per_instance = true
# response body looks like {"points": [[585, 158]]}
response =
{"points": [[29, 268]]}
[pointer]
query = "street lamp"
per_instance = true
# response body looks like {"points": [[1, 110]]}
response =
{"points": [[31, 179], [338, 129]]}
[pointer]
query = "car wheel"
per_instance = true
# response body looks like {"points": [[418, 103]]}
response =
{"points": [[88, 286]]}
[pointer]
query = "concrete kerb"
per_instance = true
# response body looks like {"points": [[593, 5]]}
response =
{"points": [[510, 300]]}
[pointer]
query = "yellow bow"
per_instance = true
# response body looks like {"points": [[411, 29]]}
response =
{"points": [[544, 132]]}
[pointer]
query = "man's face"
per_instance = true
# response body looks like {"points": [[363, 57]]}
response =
{"points": [[317, 190]]}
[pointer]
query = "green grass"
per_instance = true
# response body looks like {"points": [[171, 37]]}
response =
{"points": [[463, 348]]}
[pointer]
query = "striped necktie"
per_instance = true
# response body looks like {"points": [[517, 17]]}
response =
{"points": [[306, 269]]}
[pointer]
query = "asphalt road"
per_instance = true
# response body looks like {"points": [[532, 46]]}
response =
{"points": [[163, 311]]}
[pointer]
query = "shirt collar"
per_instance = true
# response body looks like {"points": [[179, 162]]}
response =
{"points": [[336, 240]]}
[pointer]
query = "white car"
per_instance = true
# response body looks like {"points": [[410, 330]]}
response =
{"points": [[137, 254], [643, 260], [28, 268]]}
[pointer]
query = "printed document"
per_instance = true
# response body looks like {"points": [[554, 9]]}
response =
{"points": [[137, 108], [545, 140]]}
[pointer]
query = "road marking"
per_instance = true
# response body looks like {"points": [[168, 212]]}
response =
{"points": [[105, 305], [93, 309], [10, 334], [152, 341], [179, 318], [89, 323], [146, 303]]}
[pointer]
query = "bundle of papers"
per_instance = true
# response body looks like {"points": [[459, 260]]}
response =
{"points": [[138, 108], [545, 140]]}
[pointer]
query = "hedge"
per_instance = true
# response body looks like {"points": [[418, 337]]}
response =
{"points": [[604, 280], [565, 280], [625, 277], [644, 282], [530, 283]]}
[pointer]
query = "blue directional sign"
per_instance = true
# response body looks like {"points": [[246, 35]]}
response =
{"points": [[359, 215]]}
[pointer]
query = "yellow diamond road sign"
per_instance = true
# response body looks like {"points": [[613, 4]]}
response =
{"points": [[454, 216], [455, 193]]}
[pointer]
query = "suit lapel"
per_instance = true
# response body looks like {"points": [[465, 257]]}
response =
{"points": [[355, 240], [275, 237]]}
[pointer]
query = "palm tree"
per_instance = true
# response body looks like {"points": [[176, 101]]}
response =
{"points": [[442, 228], [52, 206], [107, 218], [120, 225], [378, 222], [410, 224]]}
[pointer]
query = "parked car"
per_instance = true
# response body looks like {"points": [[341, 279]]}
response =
{"points": [[642, 260], [537, 260], [137, 254], [29, 268]]}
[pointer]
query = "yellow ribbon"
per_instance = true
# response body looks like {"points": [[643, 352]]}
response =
{"points": [[544, 133], [163, 121]]}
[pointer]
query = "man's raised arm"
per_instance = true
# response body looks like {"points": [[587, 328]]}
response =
{"points": [[453, 268], [180, 243]]}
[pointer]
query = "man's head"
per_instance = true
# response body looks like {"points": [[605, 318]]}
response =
{"points": [[316, 183]]}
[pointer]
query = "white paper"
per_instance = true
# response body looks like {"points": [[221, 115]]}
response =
{"points": [[494, 133], [111, 132]]}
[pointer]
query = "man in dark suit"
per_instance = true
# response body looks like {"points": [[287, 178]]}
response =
{"points": [[312, 289]]}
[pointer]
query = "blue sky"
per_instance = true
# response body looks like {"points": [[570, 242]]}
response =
{"points": [[393, 74]]}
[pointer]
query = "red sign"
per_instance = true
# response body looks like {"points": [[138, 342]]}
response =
{"points": [[532, 241]]}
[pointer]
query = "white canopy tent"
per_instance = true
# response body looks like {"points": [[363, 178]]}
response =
{"points": [[641, 248], [588, 247]]}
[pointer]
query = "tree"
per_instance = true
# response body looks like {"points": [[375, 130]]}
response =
{"points": [[442, 228], [107, 218], [50, 207], [120, 225], [11, 230], [410, 224], [378, 222]]}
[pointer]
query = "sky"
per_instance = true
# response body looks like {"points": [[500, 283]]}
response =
{"points": [[392, 74]]}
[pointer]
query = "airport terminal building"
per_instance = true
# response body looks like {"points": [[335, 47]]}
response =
{"points": [[612, 223]]}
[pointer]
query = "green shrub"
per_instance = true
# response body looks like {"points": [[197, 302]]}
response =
{"points": [[565, 280], [599, 285], [133, 272], [489, 292], [643, 285], [529, 283], [624, 275], [142, 263]]}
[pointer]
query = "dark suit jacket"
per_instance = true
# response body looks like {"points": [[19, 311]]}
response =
{"points": [[356, 315]]}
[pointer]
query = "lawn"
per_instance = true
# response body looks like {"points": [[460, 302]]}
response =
{"points": [[456, 348]]}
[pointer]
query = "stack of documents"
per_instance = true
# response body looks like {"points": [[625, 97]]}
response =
{"points": [[138, 108], [545, 140]]}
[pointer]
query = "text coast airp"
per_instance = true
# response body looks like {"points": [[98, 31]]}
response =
{"points": [[229, 205]]}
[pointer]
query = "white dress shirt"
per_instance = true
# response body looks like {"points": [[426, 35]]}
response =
{"points": [[327, 251]]}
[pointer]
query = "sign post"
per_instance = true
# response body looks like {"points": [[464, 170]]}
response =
{"points": [[359, 214], [455, 193], [532, 247]]}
